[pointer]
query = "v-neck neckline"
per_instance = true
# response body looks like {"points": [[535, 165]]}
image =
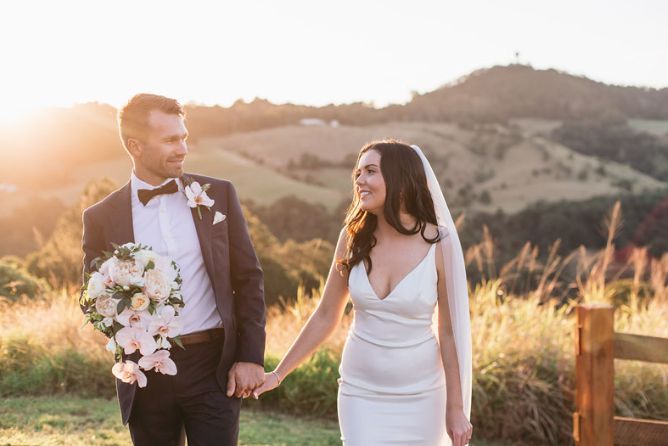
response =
{"points": [[412, 270]]}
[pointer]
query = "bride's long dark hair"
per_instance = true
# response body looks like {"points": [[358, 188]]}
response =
{"points": [[406, 189]]}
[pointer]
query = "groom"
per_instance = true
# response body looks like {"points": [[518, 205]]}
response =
{"points": [[223, 317]]}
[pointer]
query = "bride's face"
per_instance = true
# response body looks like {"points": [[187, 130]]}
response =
{"points": [[369, 183]]}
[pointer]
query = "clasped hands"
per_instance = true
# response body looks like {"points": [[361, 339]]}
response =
{"points": [[246, 378], [243, 378]]}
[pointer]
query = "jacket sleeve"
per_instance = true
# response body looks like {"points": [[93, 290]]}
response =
{"points": [[91, 243], [247, 285]]}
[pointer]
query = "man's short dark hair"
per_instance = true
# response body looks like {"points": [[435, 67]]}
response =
{"points": [[133, 117]]}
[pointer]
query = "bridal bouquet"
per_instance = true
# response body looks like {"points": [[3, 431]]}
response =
{"points": [[134, 298]]}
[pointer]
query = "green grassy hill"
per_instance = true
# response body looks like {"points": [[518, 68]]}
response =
{"points": [[514, 165], [481, 167]]}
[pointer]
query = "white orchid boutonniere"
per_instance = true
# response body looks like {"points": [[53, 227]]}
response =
{"points": [[197, 197]]}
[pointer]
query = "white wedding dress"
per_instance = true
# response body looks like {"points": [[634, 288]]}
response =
{"points": [[392, 386]]}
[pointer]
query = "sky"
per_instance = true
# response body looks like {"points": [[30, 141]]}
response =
{"points": [[310, 51]]}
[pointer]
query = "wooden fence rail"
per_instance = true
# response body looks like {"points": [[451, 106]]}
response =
{"points": [[596, 347]]}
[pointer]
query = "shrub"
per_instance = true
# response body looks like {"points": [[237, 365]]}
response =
{"points": [[16, 281]]}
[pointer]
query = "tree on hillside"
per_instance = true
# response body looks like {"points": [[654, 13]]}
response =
{"points": [[59, 259], [615, 140], [292, 218]]}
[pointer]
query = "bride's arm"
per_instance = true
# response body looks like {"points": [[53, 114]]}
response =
{"points": [[458, 427], [319, 327]]}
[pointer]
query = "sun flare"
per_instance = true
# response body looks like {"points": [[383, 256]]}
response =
{"points": [[13, 113]]}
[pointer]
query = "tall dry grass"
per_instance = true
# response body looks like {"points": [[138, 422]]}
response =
{"points": [[523, 333], [284, 323], [45, 350]]}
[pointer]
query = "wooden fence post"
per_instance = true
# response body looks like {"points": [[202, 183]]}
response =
{"points": [[594, 367]]}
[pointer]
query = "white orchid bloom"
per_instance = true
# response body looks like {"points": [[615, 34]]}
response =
{"points": [[160, 362], [196, 196], [135, 338], [165, 323], [130, 318], [164, 343], [129, 372]]}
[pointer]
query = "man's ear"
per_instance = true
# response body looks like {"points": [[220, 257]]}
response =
{"points": [[134, 147]]}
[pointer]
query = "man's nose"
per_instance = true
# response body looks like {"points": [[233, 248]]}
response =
{"points": [[183, 148]]}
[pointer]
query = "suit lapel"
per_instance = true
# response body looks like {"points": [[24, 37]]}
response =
{"points": [[203, 227], [121, 222]]}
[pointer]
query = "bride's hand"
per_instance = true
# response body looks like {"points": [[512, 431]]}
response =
{"points": [[458, 427], [271, 381]]}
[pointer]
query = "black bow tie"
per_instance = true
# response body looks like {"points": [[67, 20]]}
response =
{"points": [[145, 195]]}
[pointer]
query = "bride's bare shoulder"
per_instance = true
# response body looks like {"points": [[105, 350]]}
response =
{"points": [[433, 231], [342, 242]]}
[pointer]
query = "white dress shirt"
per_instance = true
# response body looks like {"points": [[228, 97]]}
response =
{"points": [[166, 225]]}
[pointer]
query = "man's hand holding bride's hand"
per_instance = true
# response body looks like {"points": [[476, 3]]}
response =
{"points": [[271, 381], [243, 378]]}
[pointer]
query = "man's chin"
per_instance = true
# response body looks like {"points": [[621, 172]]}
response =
{"points": [[175, 172]]}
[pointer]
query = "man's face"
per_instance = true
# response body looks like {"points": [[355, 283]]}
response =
{"points": [[162, 151]]}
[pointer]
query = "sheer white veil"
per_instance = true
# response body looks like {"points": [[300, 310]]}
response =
{"points": [[456, 284]]}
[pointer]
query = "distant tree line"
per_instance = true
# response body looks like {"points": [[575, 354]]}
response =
{"points": [[291, 218], [575, 223], [615, 140]]}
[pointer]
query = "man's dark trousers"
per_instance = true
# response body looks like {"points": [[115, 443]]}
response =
{"points": [[193, 397]]}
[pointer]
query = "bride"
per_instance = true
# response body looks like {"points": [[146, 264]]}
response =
{"points": [[399, 258]]}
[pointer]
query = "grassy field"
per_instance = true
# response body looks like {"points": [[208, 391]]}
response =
{"points": [[656, 127], [95, 422], [76, 421], [258, 182]]}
